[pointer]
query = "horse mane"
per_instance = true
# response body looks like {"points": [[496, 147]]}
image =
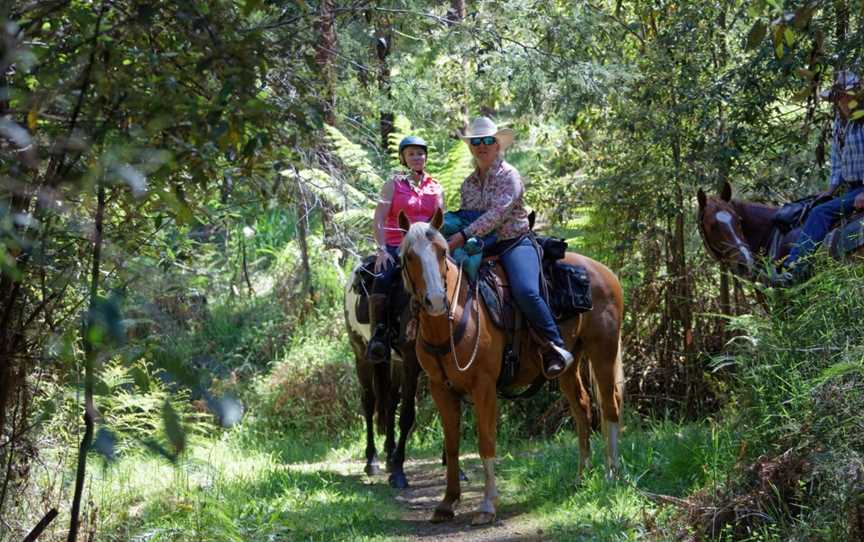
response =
{"points": [[757, 219], [420, 232]]}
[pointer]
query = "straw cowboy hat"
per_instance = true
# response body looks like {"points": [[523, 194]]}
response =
{"points": [[483, 126], [843, 80]]}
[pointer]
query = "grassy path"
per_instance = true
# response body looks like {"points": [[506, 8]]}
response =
{"points": [[266, 488]]}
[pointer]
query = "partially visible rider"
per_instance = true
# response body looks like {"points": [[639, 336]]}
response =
{"points": [[496, 189], [418, 195], [846, 184]]}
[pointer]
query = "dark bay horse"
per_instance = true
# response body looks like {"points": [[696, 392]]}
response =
{"points": [[383, 385], [470, 366], [738, 234]]}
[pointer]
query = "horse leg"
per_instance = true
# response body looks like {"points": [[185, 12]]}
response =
{"points": [[462, 476], [407, 414], [451, 414], [390, 439], [608, 376], [580, 408], [367, 398], [486, 408]]}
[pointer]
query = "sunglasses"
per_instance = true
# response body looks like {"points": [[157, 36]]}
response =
{"points": [[486, 140]]}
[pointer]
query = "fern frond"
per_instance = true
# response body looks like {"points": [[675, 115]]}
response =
{"points": [[451, 171], [354, 219], [334, 191], [353, 157]]}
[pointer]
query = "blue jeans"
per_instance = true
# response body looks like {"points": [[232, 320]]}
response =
{"points": [[384, 281], [819, 223], [522, 265]]}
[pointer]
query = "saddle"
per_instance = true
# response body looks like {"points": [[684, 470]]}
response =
{"points": [[397, 297], [846, 238], [568, 288]]}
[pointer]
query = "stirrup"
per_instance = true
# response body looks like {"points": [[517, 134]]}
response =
{"points": [[563, 356]]}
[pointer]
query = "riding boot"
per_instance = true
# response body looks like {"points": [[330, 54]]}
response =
{"points": [[556, 360], [378, 349]]}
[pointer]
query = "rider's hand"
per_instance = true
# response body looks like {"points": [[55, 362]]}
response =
{"points": [[382, 259], [859, 201], [456, 240]]}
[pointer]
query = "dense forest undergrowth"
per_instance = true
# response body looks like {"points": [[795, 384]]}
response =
{"points": [[780, 459]]}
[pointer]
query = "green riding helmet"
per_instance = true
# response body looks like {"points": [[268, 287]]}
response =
{"points": [[411, 141]]}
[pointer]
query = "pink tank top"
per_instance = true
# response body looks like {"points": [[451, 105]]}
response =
{"points": [[418, 203]]}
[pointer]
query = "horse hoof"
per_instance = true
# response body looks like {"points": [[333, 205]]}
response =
{"points": [[398, 480], [462, 476], [441, 515], [482, 518], [371, 470]]}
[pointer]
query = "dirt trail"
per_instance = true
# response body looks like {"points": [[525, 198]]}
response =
{"points": [[427, 488], [426, 477]]}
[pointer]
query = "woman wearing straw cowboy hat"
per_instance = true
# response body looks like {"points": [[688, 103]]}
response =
{"points": [[496, 189], [418, 195], [847, 172]]}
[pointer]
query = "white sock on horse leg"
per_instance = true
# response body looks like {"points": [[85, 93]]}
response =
{"points": [[490, 491]]}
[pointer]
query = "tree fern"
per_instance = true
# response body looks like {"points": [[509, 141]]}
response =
{"points": [[451, 170], [355, 160]]}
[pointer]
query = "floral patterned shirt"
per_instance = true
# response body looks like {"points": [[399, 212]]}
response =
{"points": [[500, 196]]}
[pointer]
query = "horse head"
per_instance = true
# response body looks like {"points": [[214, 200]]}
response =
{"points": [[720, 224], [424, 262]]}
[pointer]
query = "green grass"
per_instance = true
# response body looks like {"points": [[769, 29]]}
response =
{"points": [[247, 486]]}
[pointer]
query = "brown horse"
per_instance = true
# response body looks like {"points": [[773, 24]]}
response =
{"points": [[383, 386], [738, 233], [470, 364]]}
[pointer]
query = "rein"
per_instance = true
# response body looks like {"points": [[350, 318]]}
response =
{"points": [[455, 336]]}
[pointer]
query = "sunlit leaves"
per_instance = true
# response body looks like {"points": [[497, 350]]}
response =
{"points": [[756, 35]]}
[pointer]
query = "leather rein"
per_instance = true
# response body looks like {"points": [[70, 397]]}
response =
{"points": [[440, 350]]}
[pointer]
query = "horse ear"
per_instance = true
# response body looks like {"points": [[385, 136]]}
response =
{"points": [[701, 198], [726, 191], [437, 219], [404, 222]]}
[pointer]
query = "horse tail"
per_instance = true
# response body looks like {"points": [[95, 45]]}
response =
{"points": [[381, 385], [618, 385], [619, 374]]}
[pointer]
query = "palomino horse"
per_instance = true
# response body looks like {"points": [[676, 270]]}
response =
{"points": [[738, 233], [470, 365], [382, 385]]}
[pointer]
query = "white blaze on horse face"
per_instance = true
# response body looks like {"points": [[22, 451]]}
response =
{"points": [[725, 218], [418, 242]]}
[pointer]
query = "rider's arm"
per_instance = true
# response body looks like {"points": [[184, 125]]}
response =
{"points": [[381, 212]]}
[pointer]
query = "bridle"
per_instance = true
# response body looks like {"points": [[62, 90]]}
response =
{"points": [[721, 255], [455, 336]]}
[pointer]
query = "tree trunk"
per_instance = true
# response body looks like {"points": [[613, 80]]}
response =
{"points": [[383, 44], [302, 221], [325, 56], [90, 353], [841, 21], [456, 12]]}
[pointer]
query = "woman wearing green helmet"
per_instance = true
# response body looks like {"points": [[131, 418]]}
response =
{"points": [[416, 194]]}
